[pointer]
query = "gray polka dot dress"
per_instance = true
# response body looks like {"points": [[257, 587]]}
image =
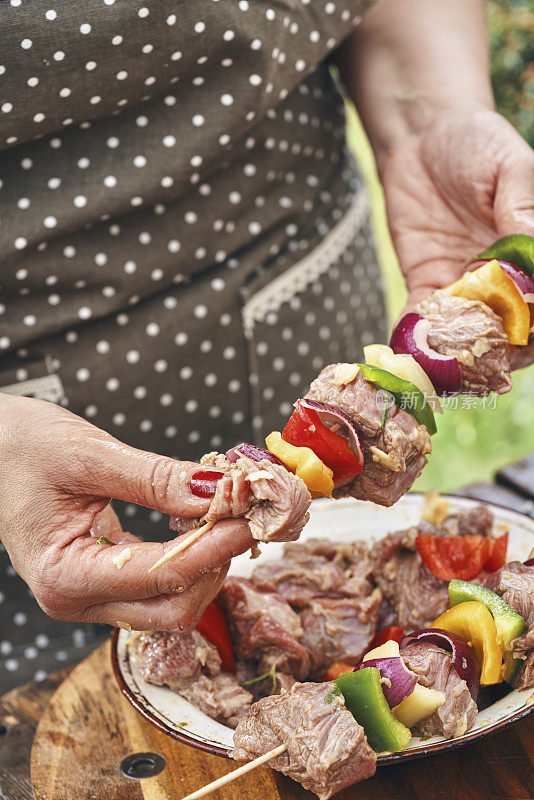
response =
{"points": [[184, 238]]}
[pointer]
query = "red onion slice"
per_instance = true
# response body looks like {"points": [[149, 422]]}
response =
{"points": [[401, 678], [411, 338], [463, 659], [529, 562], [253, 452], [522, 280], [331, 416], [204, 482]]}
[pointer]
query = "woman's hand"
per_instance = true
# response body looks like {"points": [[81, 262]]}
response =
{"points": [[57, 475], [451, 190]]}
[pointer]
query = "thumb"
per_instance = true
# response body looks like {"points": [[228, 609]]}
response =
{"points": [[116, 470], [514, 196]]}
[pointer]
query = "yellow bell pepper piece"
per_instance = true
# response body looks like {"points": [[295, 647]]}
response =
{"points": [[490, 284], [473, 623], [303, 462]]}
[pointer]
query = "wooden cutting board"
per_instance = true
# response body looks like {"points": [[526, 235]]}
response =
{"points": [[89, 728]]}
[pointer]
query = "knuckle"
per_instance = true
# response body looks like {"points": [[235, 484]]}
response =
{"points": [[53, 603], [162, 479]]}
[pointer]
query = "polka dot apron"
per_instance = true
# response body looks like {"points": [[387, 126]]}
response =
{"points": [[184, 238]]}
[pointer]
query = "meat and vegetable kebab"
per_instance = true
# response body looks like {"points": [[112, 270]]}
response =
{"points": [[424, 636], [363, 430]]}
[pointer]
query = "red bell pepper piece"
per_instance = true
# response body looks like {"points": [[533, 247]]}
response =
{"points": [[336, 669], [497, 553], [448, 557], [214, 625], [305, 429], [393, 632]]}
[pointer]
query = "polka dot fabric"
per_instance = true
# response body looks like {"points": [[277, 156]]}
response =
{"points": [[160, 164]]}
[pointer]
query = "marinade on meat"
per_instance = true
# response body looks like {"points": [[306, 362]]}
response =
{"points": [[477, 521], [395, 446], [176, 659], [415, 596], [326, 748], [265, 628], [434, 670], [298, 580], [339, 629], [221, 697], [473, 333]]}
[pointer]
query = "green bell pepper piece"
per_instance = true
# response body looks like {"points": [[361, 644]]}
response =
{"points": [[365, 700], [518, 249], [407, 395], [510, 625]]}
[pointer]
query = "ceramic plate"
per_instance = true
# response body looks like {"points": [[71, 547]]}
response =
{"points": [[341, 520]]}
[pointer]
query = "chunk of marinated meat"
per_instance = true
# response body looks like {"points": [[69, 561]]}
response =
{"points": [[471, 331], [525, 677], [220, 697], [416, 596], [298, 580], [326, 748], [312, 547], [395, 446], [339, 629], [387, 616], [434, 670], [273, 500], [478, 521], [282, 500], [514, 582], [175, 659], [359, 575], [272, 684], [265, 628]]}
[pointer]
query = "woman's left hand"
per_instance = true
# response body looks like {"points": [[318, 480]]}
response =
{"points": [[451, 191]]}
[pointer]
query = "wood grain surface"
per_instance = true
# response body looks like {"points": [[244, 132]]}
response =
{"points": [[88, 728]]}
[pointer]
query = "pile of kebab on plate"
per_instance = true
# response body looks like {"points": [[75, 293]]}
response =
{"points": [[363, 430], [274, 656]]}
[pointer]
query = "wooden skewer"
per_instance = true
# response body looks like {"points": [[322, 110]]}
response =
{"points": [[236, 773], [183, 544]]}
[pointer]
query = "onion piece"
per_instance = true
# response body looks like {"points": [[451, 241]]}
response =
{"points": [[401, 679], [253, 452], [330, 417], [410, 337], [463, 659], [529, 562], [404, 366], [522, 280]]}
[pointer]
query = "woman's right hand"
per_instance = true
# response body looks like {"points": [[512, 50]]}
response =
{"points": [[57, 475]]}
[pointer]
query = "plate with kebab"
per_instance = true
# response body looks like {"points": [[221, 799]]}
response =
{"points": [[396, 625]]}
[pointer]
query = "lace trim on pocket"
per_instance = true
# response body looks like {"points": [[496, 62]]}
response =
{"points": [[309, 269]]}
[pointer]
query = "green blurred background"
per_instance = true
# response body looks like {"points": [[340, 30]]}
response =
{"points": [[472, 443]]}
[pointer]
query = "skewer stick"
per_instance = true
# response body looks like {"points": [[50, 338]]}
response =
{"points": [[183, 544], [236, 773]]}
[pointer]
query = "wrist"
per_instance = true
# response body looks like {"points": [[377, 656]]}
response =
{"points": [[413, 116]]}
